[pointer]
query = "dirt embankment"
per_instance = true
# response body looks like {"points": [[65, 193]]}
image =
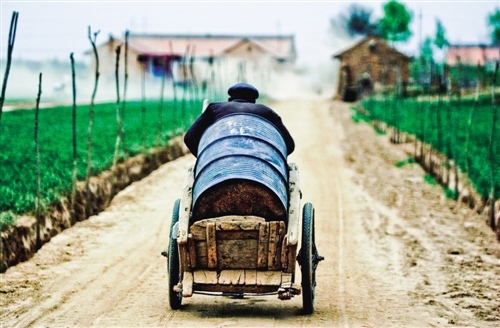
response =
{"points": [[21, 241], [397, 252], [448, 252], [445, 172]]}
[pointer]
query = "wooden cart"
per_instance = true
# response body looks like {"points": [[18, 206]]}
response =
{"points": [[236, 255]]}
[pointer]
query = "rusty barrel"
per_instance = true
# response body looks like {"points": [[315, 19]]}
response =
{"points": [[241, 163]]}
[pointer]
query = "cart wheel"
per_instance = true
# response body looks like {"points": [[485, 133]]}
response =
{"points": [[308, 258], [174, 298]]}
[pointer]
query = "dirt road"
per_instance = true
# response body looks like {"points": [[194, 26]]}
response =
{"points": [[397, 254]]}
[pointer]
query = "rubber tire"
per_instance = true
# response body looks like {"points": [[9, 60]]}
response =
{"points": [[174, 298], [306, 251]]}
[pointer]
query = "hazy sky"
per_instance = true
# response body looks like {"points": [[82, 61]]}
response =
{"points": [[48, 29]]}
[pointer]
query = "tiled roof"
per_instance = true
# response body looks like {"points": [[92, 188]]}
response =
{"points": [[472, 54], [207, 45]]}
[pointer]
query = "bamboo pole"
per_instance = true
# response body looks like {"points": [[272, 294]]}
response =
{"points": [[10, 49], [118, 111], [174, 90], [469, 130], [159, 126], [491, 151], [37, 155], [91, 122], [125, 84], [454, 132], [75, 162], [143, 108], [184, 93]]}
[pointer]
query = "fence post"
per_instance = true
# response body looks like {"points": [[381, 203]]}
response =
{"points": [[37, 155], [118, 114], [125, 82], [75, 163], [91, 123], [10, 49], [491, 151]]}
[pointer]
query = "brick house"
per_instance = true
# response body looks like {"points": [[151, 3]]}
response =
{"points": [[370, 64], [230, 58]]}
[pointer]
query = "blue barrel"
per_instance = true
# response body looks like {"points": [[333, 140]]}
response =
{"points": [[246, 147]]}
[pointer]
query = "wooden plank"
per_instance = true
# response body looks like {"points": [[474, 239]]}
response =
{"points": [[286, 280], [238, 225], [185, 207], [278, 264], [284, 254], [211, 246], [205, 277], [201, 254], [237, 254], [292, 258], [263, 245], [184, 257], [229, 222], [187, 284], [250, 277], [273, 243], [294, 217], [232, 277], [192, 251], [240, 235], [269, 278]]}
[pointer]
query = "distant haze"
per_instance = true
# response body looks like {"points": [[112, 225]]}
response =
{"points": [[48, 30]]}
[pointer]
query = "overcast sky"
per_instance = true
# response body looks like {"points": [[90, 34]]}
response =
{"points": [[48, 29]]}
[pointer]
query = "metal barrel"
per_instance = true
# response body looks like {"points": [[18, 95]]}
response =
{"points": [[242, 146]]}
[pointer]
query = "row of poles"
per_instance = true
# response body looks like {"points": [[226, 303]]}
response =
{"points": [[446, 131]]}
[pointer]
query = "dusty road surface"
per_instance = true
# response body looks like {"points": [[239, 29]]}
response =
{"points": [[397, 253]]}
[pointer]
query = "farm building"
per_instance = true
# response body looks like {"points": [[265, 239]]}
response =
{"points": [[204, 59], [479, 54], [370, 64]]}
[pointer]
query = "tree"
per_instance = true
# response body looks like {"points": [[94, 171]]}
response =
{"points": [[440, 40], [494, 25], [426, 52], [356, 20], [394, 26]]}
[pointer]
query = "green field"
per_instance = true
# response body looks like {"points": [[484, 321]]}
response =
{"points": [[17, 146], [444, 125]]}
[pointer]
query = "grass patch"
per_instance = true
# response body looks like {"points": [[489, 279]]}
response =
{"points": [[357, 116], [403, 162], [449, 193], [379, 131], [17, 155], [430, 179], [6, 219]]}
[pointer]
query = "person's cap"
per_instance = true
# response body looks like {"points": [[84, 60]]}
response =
{"points": [[243, 91]]}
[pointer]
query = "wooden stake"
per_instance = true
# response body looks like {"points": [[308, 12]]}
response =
{"points": [[37, 155], [75, 163], [91, 122], [10, 49]]}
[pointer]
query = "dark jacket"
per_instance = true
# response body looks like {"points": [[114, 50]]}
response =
{"points": [[218, 110]]}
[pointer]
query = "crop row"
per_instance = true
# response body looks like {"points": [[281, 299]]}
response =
{"points": [[444, 124], [145, 126]]}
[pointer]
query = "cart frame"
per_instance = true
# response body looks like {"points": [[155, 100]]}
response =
{"points": [[202, 261]]}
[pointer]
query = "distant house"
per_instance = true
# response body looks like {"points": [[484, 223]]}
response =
{"points": [[185, 58], [370, 64], [479, 54]]}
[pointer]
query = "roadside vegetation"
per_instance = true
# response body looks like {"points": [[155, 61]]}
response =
{"points": [[445, 126], [17, 159]]}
